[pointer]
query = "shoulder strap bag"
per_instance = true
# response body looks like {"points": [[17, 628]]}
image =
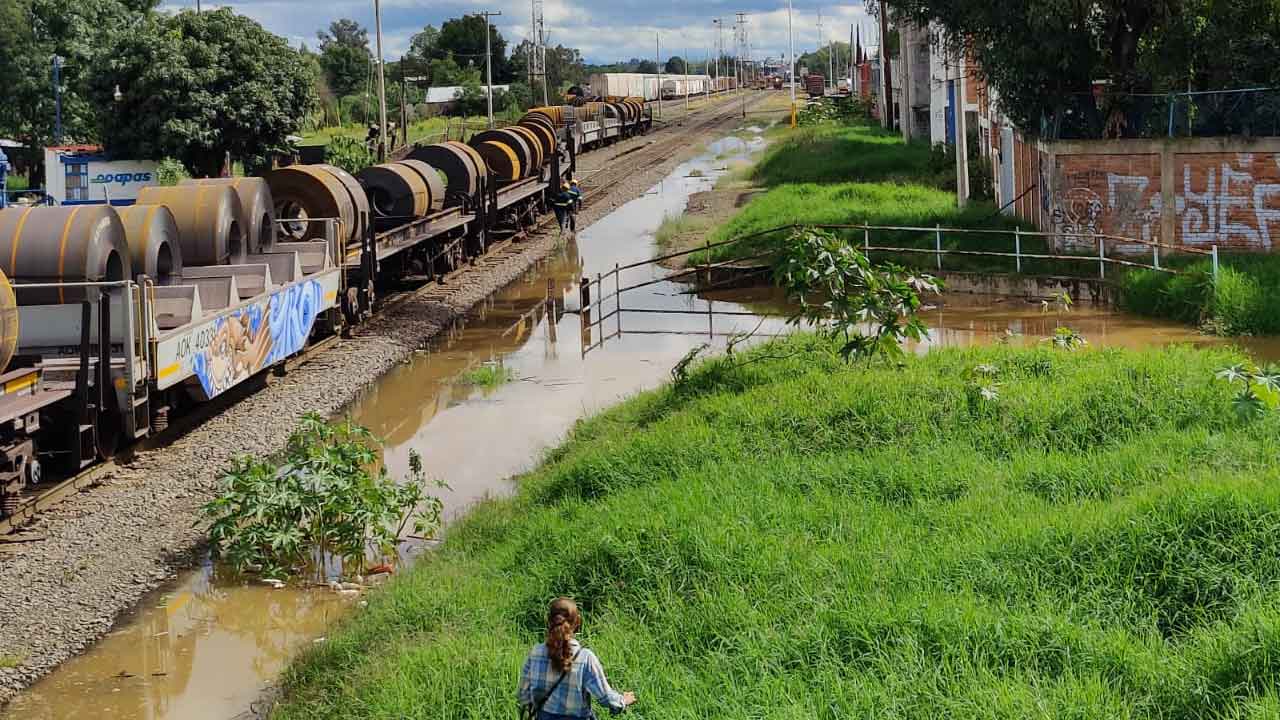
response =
{"points": [[530, 712]]}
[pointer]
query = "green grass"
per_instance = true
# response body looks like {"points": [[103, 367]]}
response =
{"points": [[886, 203], [8, 661], [427, 129], [838, 174], [488, 376], [1246, 300], [799, 538], [674, 226], [836, 153]]}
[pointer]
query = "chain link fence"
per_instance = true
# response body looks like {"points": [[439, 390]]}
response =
{"points": [[1252, 112]]}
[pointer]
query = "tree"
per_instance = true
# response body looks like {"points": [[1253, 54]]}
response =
{"points": [[675, 65], [464, 38], [647, 67], [31, 33], [1039, 53], [197, 85], [445, 72], [345, 56]]}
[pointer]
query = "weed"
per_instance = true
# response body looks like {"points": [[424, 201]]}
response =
{"points": [[327, 493], [1244, 301], [9, 660], [674, 227], [489, 375]]}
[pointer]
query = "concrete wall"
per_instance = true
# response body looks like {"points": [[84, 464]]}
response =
{"points": [[1188, 191]]}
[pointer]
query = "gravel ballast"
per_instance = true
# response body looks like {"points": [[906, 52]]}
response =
{"points": [[91, 558]]}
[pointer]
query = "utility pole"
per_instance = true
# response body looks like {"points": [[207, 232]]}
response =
{"points": [[657, 56], [686, 75], [885, 70], [819, 46], [719, 51], [488, 64], [537, 60], [57, 100], [791, 52], [962, 136], [382, 87]]}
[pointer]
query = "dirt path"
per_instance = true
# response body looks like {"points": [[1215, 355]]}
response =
{"points": [[90, 558]]}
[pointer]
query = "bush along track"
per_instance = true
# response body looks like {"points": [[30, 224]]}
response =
{"points": [[992, 533]]}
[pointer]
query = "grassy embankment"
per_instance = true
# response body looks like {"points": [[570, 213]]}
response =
{"points": [[1246, 300], [799, 538], [428, 129], [838, 174]]}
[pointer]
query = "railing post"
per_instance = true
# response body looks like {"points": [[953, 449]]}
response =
{"points": [[1102, 258], [866, 241], [937, 246], [1172, 104], [1017, 248], [1155, 254], [1215, 265], [617, 289]]}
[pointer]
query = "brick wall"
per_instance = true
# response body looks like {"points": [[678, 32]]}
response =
{"points": [[1197, 192]]}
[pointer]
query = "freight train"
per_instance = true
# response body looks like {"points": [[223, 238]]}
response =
{"points": [[649, 87], [114, 319]]}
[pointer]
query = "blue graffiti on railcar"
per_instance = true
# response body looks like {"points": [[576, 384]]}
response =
{"points": [[257, 336]]}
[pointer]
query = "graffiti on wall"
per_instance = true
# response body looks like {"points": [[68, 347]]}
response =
{"points": [[1225, 199], [1109, 195], [1229, 199], [257, 336]]}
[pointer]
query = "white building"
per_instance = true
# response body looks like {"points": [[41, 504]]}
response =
{"points": [[81, 175]]}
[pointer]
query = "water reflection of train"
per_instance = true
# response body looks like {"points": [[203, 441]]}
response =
{"points": [[499, 326]]}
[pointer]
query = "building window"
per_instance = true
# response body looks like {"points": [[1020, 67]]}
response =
{"points": [[77, 181]]}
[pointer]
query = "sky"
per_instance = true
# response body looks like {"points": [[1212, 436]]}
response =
{"points": [[604, 31]]}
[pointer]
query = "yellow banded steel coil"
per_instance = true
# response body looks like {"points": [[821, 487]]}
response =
{"points": [[8, 323], [301, 192], [155, 247], [458, 166], [359, 200], [258, 206], [211, 224], [501, 160], [397, 194], [542, 121], [81, 243], [434, 181], [535, 147], [513, 141], [545, 136]]}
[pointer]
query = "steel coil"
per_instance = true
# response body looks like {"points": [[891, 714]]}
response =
{"points": [[303, 192], [155, 248], [8, 323], [515, 142], [210, 221], [258, 206], [501, 160], [546, 137], [457, 165], [82, 243], [397, 194], [359, 200], [535, 147], [538, 119], [435, 183]]}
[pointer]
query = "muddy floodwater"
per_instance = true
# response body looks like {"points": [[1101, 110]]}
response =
{"points": [[206, 646]]}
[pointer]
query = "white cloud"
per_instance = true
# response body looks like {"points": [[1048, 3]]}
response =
{"points": [[618, 30]]}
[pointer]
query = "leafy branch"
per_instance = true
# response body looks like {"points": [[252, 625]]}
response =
{"points": [[870, 310], [1259, 389]]}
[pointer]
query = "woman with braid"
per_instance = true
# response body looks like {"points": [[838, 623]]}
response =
{"points": [[560, 676]]}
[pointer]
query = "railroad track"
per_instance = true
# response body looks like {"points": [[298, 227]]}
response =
{"points": [[613, 167]]}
